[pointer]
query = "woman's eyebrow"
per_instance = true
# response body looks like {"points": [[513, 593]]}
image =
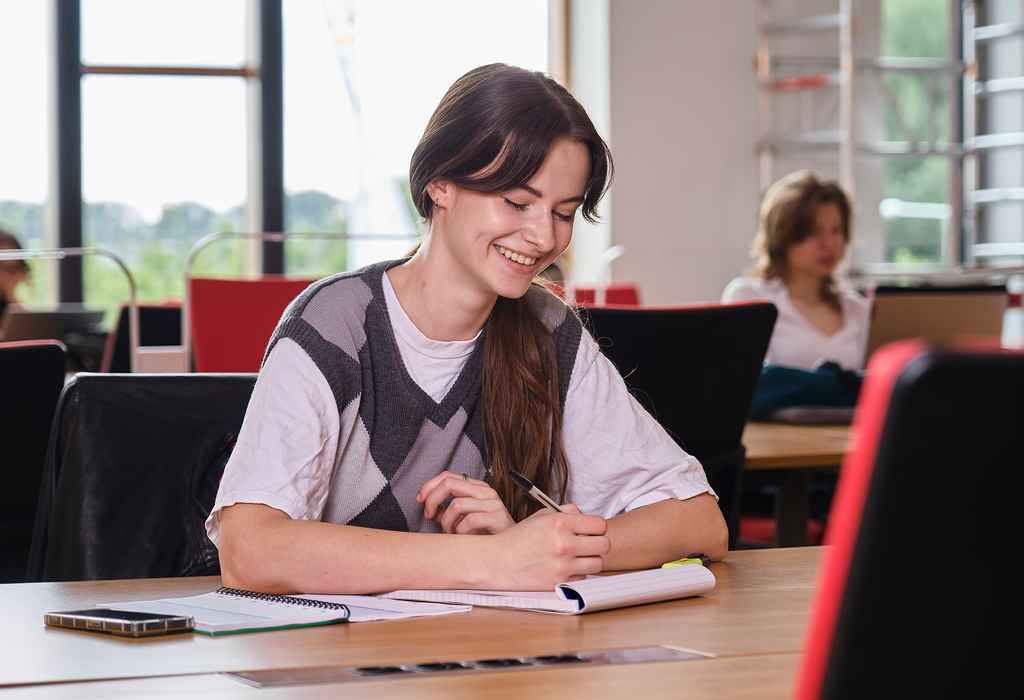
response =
{"points": [[537, 193]]}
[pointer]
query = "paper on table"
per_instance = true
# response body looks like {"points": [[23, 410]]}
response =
{"points": [[221, 613], [588, 595], [366, 608]]}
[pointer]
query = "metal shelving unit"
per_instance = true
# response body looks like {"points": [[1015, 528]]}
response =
{"points": [[788, 74], [978, 40], [841, 71]]}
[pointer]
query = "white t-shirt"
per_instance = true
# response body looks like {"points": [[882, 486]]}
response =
{"points": [[433, 364], [619, 457], [796, 342]]}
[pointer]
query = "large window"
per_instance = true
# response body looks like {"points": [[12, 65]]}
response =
{"points": [[163, 164], [172, 97], [362, 78], [24, 64], [163, 156]]}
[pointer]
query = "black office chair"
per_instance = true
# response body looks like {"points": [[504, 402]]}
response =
{"points": [[916, 595], [694, 369], [131, 473], [31, 377], [159, 324]]}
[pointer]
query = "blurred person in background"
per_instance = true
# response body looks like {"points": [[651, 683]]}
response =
{"points": [[12, 272]]}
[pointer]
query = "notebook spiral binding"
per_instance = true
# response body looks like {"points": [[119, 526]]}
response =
{"points": [[277, 598]]}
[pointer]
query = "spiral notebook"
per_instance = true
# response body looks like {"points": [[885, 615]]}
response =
{"points": [[587, 595], [232, 610]]}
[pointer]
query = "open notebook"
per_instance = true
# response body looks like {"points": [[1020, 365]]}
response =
{"points": [[587, 595], [231, 611]]}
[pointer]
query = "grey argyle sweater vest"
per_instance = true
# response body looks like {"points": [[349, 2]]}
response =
{"points": [[394, 436]]}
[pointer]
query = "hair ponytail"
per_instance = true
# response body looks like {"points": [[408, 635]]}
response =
{"points": [[523, 416]]}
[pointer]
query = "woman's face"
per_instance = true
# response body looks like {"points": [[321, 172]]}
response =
{"points": [[819, 253], [503, 240]]}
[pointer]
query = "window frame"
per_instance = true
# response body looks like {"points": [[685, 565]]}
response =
{"points": [[263, 70]]}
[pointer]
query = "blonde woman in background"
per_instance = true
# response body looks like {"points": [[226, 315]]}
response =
{"points": [[803, 235]]}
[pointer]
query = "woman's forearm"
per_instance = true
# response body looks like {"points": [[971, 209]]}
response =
{"points": [[263, 549], [649, 536]]}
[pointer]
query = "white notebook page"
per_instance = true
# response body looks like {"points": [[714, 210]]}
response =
{"points": [[587, 595]]}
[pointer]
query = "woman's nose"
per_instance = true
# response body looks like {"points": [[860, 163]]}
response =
{"points": [[541, 233]]}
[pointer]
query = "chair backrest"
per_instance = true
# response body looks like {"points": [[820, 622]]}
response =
{"points": [[232, 319], [159, 324], [935, 314], [623, 293], [31, 377], [132, 469], [694, 368], [915, 597]]}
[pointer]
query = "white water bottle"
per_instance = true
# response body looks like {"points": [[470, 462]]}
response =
{"points": [[1013, 317]]}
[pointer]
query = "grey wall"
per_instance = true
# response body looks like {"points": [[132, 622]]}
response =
{"points": [[684, 126]]}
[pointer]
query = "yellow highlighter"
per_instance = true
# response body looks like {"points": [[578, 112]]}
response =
{"points": [[688, 559]]}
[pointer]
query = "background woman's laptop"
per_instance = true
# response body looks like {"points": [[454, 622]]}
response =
{"points": [[937, 314], [34, 324]]}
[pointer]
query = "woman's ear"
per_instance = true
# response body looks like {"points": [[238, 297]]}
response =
{"points": [[442, 192]]}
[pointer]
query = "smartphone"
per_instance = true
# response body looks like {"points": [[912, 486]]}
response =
{"points": [[121, 622]]}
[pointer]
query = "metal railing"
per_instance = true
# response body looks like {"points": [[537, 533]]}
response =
{"points": [[62, 253]]}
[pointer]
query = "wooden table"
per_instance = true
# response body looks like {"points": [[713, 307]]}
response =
{"points": [[792, 450], [754, 622]]}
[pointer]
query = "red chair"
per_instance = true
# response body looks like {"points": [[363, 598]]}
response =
{"points": [[227, 322], [617, 293], [231, 320], [915, 596], [760, 531]]}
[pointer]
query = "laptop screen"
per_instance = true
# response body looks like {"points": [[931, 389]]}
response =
{"points": [[19, 323], [936, 314]]}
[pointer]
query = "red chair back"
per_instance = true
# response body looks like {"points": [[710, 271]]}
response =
{"points": [[619, 293], [231, 320], [913, 598]]}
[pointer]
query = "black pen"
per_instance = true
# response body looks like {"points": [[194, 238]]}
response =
{"points": [[534, 492]]}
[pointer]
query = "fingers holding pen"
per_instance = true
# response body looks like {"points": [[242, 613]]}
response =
{"points": [[548, 548]]}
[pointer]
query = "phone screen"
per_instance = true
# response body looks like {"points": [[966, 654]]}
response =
{"points": [[109, 614]]}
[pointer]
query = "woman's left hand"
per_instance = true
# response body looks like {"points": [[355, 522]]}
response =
{"points": [[475, 508]]}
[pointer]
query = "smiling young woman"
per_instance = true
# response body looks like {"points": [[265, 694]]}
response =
{"points": [[395, 401]]}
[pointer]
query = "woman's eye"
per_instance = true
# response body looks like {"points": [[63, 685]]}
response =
{"points": [[565, 217], [515, 205]]}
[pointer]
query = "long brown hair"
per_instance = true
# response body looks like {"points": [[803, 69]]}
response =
{"points": [[787, 218], [491, 133]]}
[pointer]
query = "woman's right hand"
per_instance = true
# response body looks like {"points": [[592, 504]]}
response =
{"points": [[547, 549]]}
